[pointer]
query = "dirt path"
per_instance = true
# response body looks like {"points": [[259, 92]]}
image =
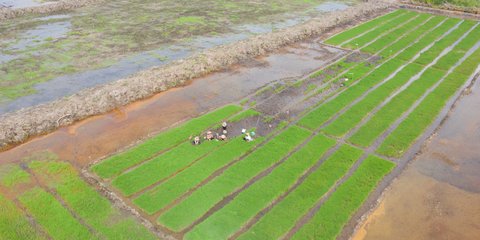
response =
{"points": [[442, 185]]}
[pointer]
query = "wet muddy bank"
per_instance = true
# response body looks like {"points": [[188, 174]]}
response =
{"points": [[99, 136], [18, 126], [7, 12], [437, 196]]}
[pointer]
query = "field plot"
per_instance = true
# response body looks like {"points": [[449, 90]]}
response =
{"points": [[303, 177], [306, 176]]}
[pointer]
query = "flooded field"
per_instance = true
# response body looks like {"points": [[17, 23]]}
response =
{"points": [[46, 58], [438, 195]]}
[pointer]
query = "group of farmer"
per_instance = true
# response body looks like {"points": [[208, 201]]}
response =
{"points": [[209, 136]]}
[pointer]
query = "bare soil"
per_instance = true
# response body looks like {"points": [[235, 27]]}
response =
{"points": [[63, 5]]}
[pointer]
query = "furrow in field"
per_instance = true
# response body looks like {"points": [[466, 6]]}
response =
{"points": [[165, 193], [382, 95], [402, 134], [378, 123], [366, 28], [380, 31], [161, 142], [285, 213], [14, 225], [329, 218], [89, 205], [322, 114], [184, 214], [340, 38], [261, 193]]}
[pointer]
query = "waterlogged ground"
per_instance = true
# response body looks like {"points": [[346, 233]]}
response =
{"points": [[122, 37]]}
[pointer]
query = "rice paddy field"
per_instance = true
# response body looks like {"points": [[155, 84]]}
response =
{"points": [[350, 125]]}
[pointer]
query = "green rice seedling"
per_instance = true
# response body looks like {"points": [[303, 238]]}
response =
{"points": [[428, 56], [368, 37], [396, 144], [411, 51], [88, 204], [163, 194], [243, 115], [321, 114], [118, 163], [353, 32], [193, 207], [395, 34], [283, 216], [412, 36], [14, 224], [11, 175], [357, 112], [162, 166], [233, 216], [347, 198], [380, 122], [52, 216]]}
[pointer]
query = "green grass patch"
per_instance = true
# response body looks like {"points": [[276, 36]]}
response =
{"points": [[52, 216], [193, 207], [120, 162], [88, 204], [233, 216], [342, 204], [415, 124], [357, 112], [355, 31], [283, 216], [13, 224]]}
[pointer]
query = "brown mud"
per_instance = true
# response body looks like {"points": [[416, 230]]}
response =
{"points": [[99, 136], [438, 195], [444, 9], [19, 126]]}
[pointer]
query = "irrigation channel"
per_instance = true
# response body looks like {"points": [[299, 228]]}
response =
{"points": [[338, 119]]}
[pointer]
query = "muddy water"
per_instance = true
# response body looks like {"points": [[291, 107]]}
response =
{"points": [[438, 195], [89, 140], [69, 84]]}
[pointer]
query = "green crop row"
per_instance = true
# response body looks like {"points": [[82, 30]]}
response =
{"points": [[324, 112], [169, 162], [163, 194], [347, 198], [283, 216], [197, 204], [413, 50], [11, 174], [88, 204], [13, 224], [426, 28], [357, 112], [394, 35], [413, 126], [53, 217], [398, 105], [428, 56], [118, 163], [233, 216], [162, 166], [366, 135], [387, 27], [353, 32]]}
